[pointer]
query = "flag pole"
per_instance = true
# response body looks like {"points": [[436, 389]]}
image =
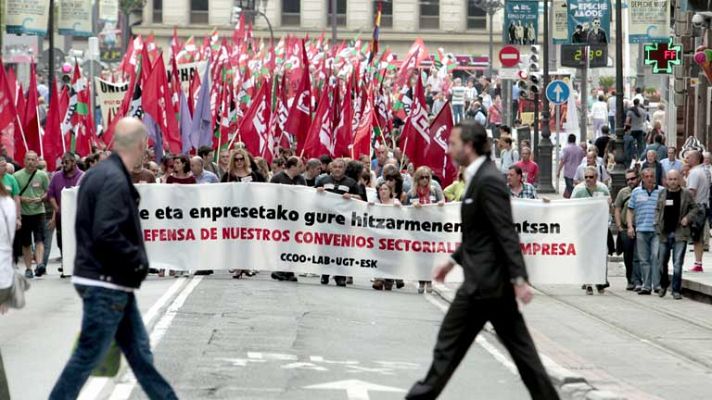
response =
{"points": [[40, 132], [22, 131]]}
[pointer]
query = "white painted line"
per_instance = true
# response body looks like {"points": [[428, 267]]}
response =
{"points": [[123, 390], [484, 343], [94, 386], [156, 307], [506, 56]]}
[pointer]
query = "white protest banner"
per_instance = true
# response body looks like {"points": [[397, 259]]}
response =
{"points": [[109, 96], [186, 72], [649, 21], [260, 226], [75, 17], [26, 17], [109, 10]]}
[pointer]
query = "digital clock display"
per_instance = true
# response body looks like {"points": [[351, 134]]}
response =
{"points": [[574, 56]]}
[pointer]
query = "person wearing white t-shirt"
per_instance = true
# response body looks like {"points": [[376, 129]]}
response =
{"points": [[599, 115], [698, 183], [612, 110], [8, 218]]}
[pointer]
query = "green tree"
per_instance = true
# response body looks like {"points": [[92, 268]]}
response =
{"points": [[606, 83]]}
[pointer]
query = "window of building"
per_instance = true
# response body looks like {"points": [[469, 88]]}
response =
{"points": [[291, 11], [476, 17], [199, 12], [340, 13], [386, 13], [157, 11], [429, 14]]}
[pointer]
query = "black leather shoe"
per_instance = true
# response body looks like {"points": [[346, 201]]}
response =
{"points": [[644, 292], [662, 292], [325, 279], [278, 276], [340, 282], [630, 286]]}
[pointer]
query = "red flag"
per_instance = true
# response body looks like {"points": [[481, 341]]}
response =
{"points": [[299, 118], [31, 120], [8, 117], [21, 103], [280, 115], [362, 138], [320, 139], [343, 133], [156, 102], [416, 54], [435, 155], [176, 45], [415, 137], [52, 138], [254, 130], [193, 92], [238, 35]]}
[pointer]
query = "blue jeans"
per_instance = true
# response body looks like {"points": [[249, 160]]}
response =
{"points": [[639, 137], [677, 248], [647, 245], [108, 315], [48, 233], [458, 112]]}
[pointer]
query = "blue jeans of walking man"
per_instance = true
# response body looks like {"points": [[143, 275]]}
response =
{"points": [[110, 314], [458, 112], [647, 244], [677, 248]]}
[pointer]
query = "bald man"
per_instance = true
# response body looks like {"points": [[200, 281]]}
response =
{"points": [[110, 265], [675, 209]]}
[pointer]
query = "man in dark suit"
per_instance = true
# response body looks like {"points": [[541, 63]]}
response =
{"points": [[110, 264], [495, 275]]}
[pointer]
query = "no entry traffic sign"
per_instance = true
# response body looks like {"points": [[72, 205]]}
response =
{"points": [[509, 56]]}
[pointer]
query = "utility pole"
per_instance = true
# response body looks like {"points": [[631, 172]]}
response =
{"points": [[490, 7], [333, 23], [50, 33], [618, 173], [545, 146]]}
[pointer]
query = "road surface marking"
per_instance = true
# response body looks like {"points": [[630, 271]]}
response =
{"points": [[95, 386], [304, 365], [355, 389], [484, 343], [123, 390]]}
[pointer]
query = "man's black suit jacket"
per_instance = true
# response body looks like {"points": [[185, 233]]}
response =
{"points": [[489, 254]]}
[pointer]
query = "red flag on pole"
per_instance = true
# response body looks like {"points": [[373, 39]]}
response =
{"points": [[31, 121], [415, 137], [52, 138], [254, 130], [435, 155], [299, 118], [8, 117], [343, 133], [362, 138], [156, 102], [319, 140]]}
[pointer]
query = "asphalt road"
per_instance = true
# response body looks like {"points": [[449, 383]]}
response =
{"points": [[220, 338]]}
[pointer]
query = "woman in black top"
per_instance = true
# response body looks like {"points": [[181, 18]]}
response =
{"points": [[240, 169]]}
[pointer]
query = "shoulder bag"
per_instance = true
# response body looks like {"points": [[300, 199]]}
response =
{"points": [[19, 283]]}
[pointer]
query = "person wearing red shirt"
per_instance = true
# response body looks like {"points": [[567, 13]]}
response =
{"points": [[530, 169]]}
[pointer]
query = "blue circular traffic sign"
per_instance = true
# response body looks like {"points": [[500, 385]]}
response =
{"points": [[558, 92]]}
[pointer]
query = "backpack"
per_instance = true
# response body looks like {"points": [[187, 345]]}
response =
{"points": [[624, 211]]}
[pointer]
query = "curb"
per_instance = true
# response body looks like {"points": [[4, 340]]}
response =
{"points": [[571, 385]]}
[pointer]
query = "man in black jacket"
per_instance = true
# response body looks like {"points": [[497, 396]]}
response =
{"points": [[110, 264], [495, 275]]}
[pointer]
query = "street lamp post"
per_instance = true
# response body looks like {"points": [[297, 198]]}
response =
{"points": [[252, 8], [618, 173], [544, 156], [490, 7]]}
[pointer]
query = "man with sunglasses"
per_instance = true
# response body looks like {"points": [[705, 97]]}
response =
{"points": [[68, 177], [591, 187], [642, 227], [630, 258]]}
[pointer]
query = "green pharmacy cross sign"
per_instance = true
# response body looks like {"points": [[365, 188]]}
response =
{"points": [[663, 56]]}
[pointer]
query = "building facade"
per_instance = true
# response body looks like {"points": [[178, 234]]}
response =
{"points": [[455, 25]]}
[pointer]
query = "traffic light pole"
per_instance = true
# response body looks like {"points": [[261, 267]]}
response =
{"points": [[544, 149]]}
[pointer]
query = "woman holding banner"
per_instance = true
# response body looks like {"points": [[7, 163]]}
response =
{"points": [[386, 196]]}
